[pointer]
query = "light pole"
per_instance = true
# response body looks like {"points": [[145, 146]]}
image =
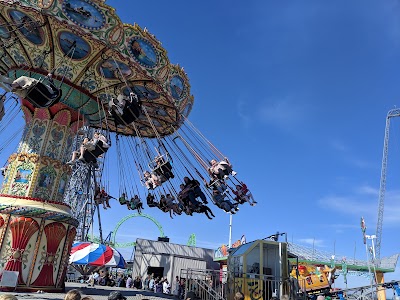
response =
{"points": [[368, 262], [372, 237]]}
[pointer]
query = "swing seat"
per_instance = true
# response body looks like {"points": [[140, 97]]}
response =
{"points": [[152, 204], [131, 112], [40, 96], [165, 170], [242, 200], [224, 206], [150, 201], [149, 184], [163, 208], [90, 156], [2, 113]]}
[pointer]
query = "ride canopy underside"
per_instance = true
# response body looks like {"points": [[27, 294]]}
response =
{"points": [[94, 57]]}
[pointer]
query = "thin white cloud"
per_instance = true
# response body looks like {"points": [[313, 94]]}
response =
{"points": [[312, 242], [286, 113], [368, 190], [278, 112], [346, 205], [364, 201], [389, 18], [343, 228], [360, 163], [348, 156]]}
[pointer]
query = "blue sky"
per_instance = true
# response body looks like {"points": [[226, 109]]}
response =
{"points": [[296, 95]]}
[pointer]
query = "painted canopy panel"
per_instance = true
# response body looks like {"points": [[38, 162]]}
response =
{"points": [[94, 57]]}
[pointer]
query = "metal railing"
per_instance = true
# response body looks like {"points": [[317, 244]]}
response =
{"points": [[222, 285], [206, 284]]}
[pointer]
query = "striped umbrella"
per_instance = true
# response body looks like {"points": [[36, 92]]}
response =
{"points": [[86, 253]]}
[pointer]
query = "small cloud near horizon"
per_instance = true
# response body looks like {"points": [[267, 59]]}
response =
{"points": [[364, 201], [286, 113], [312, 242]]}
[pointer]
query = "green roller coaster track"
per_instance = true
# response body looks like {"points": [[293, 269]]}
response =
{"points": [[131, 244], [113, 233], [191, 241]]}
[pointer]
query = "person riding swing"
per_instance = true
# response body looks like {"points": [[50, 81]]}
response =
{"points": [[151, 201], [194, 190], [90, 150], [125, 109], [220, 170], [163, 168], [136, 203], [37, 92]]}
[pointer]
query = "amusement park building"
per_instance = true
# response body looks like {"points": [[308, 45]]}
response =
{"points": [[168, 259]]}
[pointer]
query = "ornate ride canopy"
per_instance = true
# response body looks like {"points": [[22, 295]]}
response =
{"points": [[94, 57]]}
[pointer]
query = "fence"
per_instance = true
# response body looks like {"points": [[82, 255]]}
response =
{"points": [[222, 285]]}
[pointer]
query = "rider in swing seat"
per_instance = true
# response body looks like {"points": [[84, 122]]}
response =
{"points": [[150, 201], [194, 190], [101, 197], [90, 150], [38, 93], [136, 203], [101, 146], [172, 207], [216, 184], [243, 194], [123, 200], [125, 109], [163, 168], [220, 170], [163, 204], [224, 204]]}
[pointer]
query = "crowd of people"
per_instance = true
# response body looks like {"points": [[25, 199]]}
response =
{"points": [[151, 282]]}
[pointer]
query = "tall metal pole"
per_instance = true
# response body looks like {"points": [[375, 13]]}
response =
{"points": [[382, 189], [372, 237], [230, 231], [369, 266]]}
